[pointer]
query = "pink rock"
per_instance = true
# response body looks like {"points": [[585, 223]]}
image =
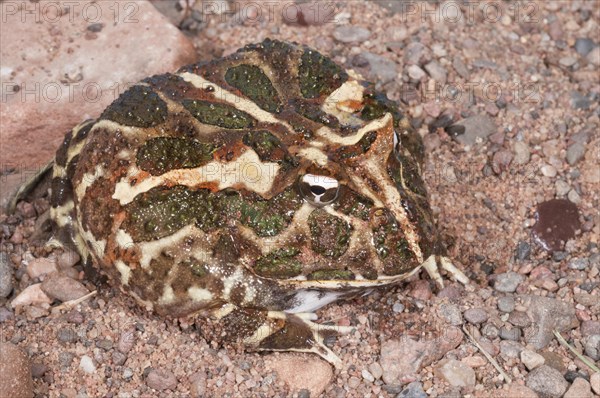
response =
{"points": [[126, 340], [15, 372], [309, 372], [68, 259], [161, 379], [402, 359], [31, 295], [70, 64], [63, 288], [421, 290], [39, 267]]}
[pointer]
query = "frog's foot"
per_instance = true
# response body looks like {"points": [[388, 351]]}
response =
{"points": [[431, 266], [280, 331]]}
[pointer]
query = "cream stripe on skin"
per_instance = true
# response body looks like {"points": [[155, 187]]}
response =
{"points": [[246, 171], [238, 102], [373, 125]]}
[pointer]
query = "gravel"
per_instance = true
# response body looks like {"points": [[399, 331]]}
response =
{"points": [[381, 69], [6, 284], [351, 33], [476, 129], [508, 282]]}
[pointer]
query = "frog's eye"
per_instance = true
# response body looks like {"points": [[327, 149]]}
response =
{"points": [[318, 190]]}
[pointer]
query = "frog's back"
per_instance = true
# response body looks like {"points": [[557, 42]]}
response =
{"points": [[244, 181]]}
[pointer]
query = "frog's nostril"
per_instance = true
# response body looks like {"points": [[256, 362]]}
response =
{"points": [[319, 190]]}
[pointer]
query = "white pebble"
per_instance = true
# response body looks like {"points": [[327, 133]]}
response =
{"points": [[87, 364], [531, 359], [367, 376]]}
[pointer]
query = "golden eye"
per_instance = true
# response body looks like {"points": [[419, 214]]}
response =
{"points": [[318, 190]]}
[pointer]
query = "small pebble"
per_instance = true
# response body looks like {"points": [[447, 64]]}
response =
{"points": [[513, 334], [548, 170], [519, 318], [127, 373], [87, 364], [547, 382], [574, 197], [575, 153], [381, 68], [436, 71], [39, 267], [523, 251], [118, 358], [510, 349], [161, 379], [126, 340], [579, 263], [506, 304], [31, 295], [413, 390], [353, 382], [476, 316], [592, 347], [579, 389], [583, 46], [558, 256], [6, 283], [567, 61], [398, 307], [595, 382], [367, 376], [66, 335], [562, 188], [376, 370], [580, 101], [508, 282], [451, 313], [351, 33], [531, 359], [456, 373], [522, 153], [594, 56], [415, 72], [63, 288], [474, 129]]}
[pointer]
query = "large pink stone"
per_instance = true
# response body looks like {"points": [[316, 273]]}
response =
{"points": [[63, 62]]}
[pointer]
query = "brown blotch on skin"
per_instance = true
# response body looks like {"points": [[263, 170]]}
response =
{"points": [[97, 208], [62, 191], [242, 323], [61, 154]]}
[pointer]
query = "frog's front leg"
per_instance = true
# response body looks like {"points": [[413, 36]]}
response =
{"points": [[266, 330], [431, 266]]}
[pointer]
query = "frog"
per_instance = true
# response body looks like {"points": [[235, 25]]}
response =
{"points": [[253, 189]]}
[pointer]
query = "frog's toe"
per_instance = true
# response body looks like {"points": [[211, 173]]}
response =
{"points": [[431, 266], [298, 332]]}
